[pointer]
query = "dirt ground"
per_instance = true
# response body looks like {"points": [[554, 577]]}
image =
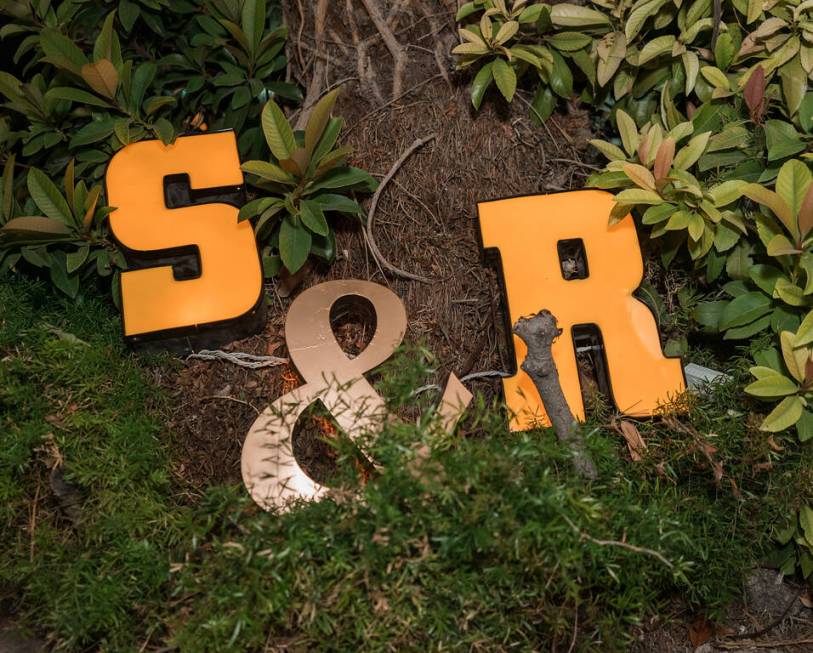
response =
{"points": [[425, 224]]}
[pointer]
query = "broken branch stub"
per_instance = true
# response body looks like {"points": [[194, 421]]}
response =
{"points": [[538, 332]]}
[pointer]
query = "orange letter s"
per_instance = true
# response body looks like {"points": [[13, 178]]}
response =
{"points": [[230, 282]]}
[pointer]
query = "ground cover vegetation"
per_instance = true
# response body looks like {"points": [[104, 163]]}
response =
{"points": [[480, 540], [487, 540]]}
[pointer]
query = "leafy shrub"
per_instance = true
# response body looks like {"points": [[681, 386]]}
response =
{"points": [[65, 234], [96, 78], [713, 124], [307, 177]]}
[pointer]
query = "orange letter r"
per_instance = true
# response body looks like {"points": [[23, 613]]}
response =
{"points": [[527, 232]]}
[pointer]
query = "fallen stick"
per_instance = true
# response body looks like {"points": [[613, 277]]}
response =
{"points": [[538, 332], [368, 231]]}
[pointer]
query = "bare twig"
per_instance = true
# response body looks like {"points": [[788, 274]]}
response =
{"points": [[365, 70], [617, 543], [538, 332], [377, 255], [769, 627], [718, 17], [576, 163], [235, 399], [777, 644], [440, 51]]}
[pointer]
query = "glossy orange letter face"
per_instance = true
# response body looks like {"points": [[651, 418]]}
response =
{"points": [[529, 232], [230, 281]]}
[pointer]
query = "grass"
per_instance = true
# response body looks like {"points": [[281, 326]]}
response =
{"points": [[485, 540]]}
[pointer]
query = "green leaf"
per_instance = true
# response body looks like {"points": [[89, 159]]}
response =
{"points": [[785, 415], [782, 140], [278, 133], [294, 244], [806, 522], [467, 9], [75, 95], [103, 48], [542, 105], [792, 182], [804, 335], [806, 112], [748, 330], [47, 197], [340, 203], [268, 171], [655, 48], [253, 22], [628, 131], [775, 203], [164, 130], [638, 16], [345, 178], [772, 386], [328, 140], [506, 78], [688, 155], [561, 79], [612, 152], [638, 196], [142, 78], [61, 51], [658, 213], [76, 260], [727, 192], [156, 102], [128, 14], [765, 276], [255, 207], [324, 247], [804, 427], [68, 284], [318, 121], [740, 261], [94, 131], [569, 41], [313, 217], [37, 226], [482, 80], [567, 15], [794, 84], [745, 309]]}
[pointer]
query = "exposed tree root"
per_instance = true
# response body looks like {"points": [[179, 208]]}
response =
{"points": [[399, 55], [316, 83]]}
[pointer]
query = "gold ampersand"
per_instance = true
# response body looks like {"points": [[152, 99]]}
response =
{"points": [[270, 470]]}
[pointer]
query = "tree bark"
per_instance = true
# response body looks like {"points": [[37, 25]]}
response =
{"points": [[538, 332]]}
